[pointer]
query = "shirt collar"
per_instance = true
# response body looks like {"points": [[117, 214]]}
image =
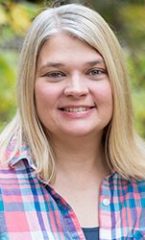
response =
{"points": [[15, 154]]}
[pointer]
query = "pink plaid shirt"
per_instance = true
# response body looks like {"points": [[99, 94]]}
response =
{"points": [[31, 210]]}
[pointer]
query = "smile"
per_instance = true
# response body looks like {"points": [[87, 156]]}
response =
{"points": [[76, 109]]}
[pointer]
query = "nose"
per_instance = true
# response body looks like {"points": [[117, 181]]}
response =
{"points": [[76, 86]]}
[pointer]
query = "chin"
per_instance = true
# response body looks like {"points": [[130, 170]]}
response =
{"points": [[79, 133]]}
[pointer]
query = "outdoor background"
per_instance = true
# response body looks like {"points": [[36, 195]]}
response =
{"points": [[126, 18]]}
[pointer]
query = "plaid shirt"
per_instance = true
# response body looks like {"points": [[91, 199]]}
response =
{"points": [[32, 210]]}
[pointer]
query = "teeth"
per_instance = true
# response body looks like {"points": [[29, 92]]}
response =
{"points": [[76, 109]]}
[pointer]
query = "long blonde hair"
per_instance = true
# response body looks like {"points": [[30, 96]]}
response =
{"points": [[124, 150]]}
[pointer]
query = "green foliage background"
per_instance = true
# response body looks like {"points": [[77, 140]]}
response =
{"points": [[127, 19]]}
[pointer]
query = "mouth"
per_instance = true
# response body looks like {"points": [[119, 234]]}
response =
{"points": [[75, 109]]}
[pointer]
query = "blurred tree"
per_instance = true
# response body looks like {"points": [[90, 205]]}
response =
{"points": [[7, 86], [15, 19]]}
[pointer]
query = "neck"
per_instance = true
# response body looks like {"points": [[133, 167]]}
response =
{"points": [[79, 160]]}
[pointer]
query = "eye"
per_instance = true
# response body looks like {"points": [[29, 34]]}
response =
{"points": [[97, 73], [54, 75]]}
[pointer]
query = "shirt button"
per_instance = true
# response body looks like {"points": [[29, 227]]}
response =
{"points": [[106, 201]]}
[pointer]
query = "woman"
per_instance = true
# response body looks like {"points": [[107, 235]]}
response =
{"points": [[72, 166]]}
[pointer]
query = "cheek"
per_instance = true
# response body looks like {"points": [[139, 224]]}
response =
{"points": [[45, 95], [44, 100], [104, 93], [104, 100]]}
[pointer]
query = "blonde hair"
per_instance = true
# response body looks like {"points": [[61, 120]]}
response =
{"points": [[124, 149]]}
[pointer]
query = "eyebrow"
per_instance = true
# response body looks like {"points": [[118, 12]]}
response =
{"points": [[96, 62], [57, 64]]}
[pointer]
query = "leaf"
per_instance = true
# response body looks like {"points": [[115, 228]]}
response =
{"points": [[7, 86], [19, 18], [133, 17], [3, 16], [139, 110]]}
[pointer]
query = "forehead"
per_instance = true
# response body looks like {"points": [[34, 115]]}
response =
{"points": [[64, 47]]}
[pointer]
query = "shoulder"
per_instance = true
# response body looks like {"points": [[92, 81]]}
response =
{"points": [[131, 185]]}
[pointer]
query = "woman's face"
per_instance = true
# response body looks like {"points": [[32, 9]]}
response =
{"points": [[72, 90]]}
